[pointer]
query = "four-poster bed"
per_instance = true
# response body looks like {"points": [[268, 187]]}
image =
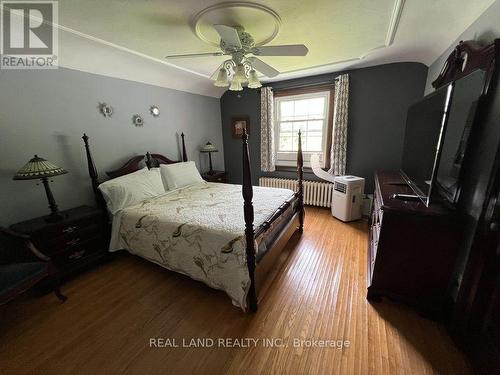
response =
{"points": [[267, 228]]}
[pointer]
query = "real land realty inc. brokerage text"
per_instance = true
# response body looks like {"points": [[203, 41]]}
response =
{"points": [[246, 342]]}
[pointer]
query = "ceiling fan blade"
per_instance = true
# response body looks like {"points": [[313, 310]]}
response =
{"points": [[284, 50], [194, 55], [229, 35], [262, 67]]}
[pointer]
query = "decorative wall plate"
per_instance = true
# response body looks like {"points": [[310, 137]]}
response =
{"points": [[154, 110], [105, 109], [137, 120]]}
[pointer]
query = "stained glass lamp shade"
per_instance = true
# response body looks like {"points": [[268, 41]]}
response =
{"points": [[39, 168], [209, 148]]}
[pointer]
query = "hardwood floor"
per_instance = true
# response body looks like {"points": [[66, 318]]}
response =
{"points": [[113, 310]]}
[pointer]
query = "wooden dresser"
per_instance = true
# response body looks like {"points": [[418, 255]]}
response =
{"points": [[218, 176], [412, 249], [73, 243]]}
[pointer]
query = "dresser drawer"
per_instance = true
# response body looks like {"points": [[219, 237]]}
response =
{"points": [[53, 245], [78, 252], [68, 228], [372, 250], [375, 233], [377, 208], [73, 220]]}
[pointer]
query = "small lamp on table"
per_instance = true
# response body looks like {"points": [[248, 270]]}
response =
{"points": [[209, 148], [39, 168]]}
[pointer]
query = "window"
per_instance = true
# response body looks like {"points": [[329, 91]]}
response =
{"points": [[308, 112]]}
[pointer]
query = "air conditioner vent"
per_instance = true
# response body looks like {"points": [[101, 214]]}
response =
{"points": [[340, 187]]}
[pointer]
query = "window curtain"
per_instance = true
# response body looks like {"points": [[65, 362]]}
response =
{"points": [[340, 121], [267, 155]]}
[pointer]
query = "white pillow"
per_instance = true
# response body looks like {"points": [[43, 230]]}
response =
{"points": [[155, 177], [178, 175], [131, 189]]}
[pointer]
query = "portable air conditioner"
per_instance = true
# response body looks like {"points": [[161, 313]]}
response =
{"points": [[347, 198]]}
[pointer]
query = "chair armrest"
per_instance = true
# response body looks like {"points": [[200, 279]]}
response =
{"points": [[18, 248], [37, 252]]}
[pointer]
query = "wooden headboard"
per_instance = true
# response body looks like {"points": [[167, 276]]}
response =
{"points": [[136, 163]]}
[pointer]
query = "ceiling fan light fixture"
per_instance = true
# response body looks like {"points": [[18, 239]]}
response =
{"points": [[239, 70], [253, 80], [222, 80], [235, 85], [239, 74]]}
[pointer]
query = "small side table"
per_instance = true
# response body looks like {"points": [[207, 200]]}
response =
{"points": [[73, 243], [218, 176]]}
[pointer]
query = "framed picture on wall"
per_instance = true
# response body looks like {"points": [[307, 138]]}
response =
{"points": [[239, 124]]}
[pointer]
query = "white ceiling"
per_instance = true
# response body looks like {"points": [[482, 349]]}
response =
{"points": [[129, 39]]}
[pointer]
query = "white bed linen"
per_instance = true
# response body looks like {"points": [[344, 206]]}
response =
{"points": [[179, 175], [131, 188], [198, 231]]}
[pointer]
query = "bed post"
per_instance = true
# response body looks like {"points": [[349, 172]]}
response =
{"points": [[184, 153], [93, 174], [300, 172], [247, 191], [149, 162]]}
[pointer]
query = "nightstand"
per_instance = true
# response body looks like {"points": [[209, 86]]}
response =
{"points": [[73, 243], [218, 176]]}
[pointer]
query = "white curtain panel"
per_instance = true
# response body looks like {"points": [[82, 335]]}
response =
{"points": [[267, 156], [340, 121]]}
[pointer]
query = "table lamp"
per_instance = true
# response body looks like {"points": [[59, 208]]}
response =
{"points": [[209, 148], [39, 168]]}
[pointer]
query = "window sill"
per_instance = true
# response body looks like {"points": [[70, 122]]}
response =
{"points": [[286, 168]]}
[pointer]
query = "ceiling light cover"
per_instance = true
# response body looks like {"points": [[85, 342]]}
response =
{"points": [[253, 80], [235, 85], [222, 80], [239, 74]]}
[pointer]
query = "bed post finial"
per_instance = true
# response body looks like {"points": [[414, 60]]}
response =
{"points": [[149, 162], [247, 192], [94, 178], [184, 153], [300, 172]]}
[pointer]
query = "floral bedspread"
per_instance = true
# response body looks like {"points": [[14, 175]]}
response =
{"points": [[199, 231]]}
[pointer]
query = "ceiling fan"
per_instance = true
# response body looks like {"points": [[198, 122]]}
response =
{"points": [[242, 69]]}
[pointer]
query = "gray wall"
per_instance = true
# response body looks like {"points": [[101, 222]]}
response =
{"points": [[378, 102], [485, 29], [46, 112]]}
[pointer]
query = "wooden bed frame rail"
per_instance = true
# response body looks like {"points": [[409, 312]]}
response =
{"points": [[275, 253]]}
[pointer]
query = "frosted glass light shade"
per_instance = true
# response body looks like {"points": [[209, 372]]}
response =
{"points": [[253, 80], [222, 80], [235, 85], [239, 74]]}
